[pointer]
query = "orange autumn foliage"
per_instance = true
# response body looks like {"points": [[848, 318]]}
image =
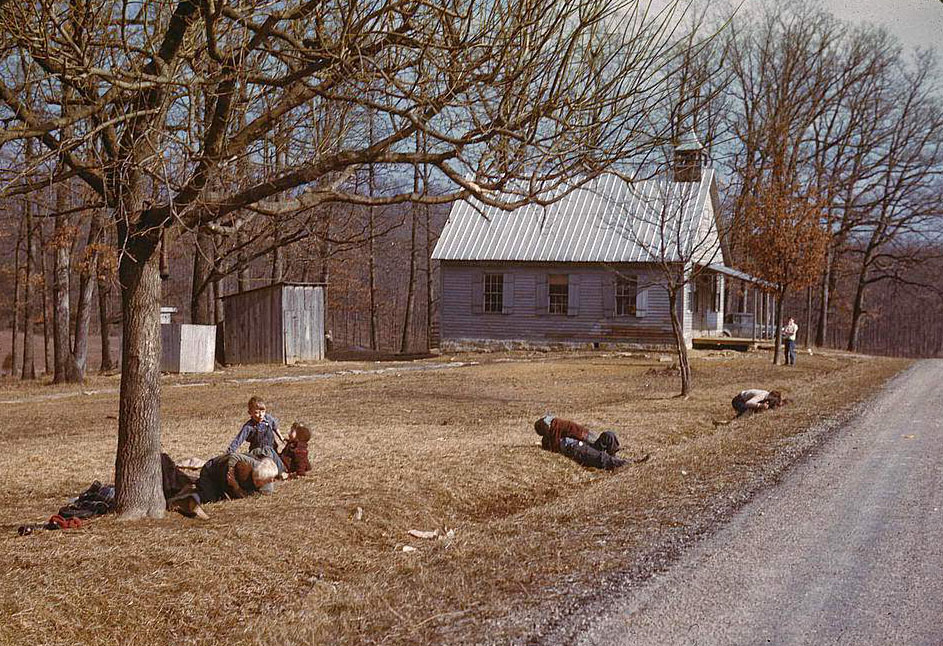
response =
{"points": [[782, 239]]}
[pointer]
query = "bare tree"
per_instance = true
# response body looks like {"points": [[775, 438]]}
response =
{"points": [[819, 107], [504, 96], [29, 283], [17, 299], [672, 224], [904, 197]]}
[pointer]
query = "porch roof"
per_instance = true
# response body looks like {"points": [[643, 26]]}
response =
{"points": [[736, 273]]}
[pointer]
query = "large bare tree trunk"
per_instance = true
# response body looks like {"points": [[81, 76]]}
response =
{"points": [[83, 315], [137, 465], [857, 313], [104, 293], [66, 369], [29, 360]]}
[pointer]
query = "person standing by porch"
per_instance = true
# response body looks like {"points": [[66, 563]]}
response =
{"points": [[789, 338]]}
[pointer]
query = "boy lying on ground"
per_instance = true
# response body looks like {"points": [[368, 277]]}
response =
{"points": [[756, 400], [579, 444]]}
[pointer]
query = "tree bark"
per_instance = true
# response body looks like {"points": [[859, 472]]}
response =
{"points": [[201, 311], [104, 292], [164, 263], [429, 287], [17, 302], [278, 264], [29, 360], [857, 313], [66, 369], [372, 269], [778, 336], [137, 465], [681, 348], [821, 330], [410, 287], [807, 336], [83, 315], [242, 275], [49, 361]]}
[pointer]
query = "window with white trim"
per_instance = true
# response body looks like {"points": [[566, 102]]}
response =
{"points": [[559, 293], [626, 295], [494, 293]]}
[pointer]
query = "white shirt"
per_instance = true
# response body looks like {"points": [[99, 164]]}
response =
{"points": [[753, 397], [790, 330]]}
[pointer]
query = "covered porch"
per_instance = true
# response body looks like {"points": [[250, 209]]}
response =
{"points": [[749, 312]]}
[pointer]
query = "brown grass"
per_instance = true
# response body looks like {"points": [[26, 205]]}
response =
{"points": [[438, 449]]}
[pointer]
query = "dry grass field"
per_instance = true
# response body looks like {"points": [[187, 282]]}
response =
{"points": [[451, 447]]}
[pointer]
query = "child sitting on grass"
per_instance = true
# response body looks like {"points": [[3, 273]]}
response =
{"points": [[260, 432], [294, 454]]}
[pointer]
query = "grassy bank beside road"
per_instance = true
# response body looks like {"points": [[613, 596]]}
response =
{"points": [[322, 560]]}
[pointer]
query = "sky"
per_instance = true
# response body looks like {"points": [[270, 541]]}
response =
{"points": [[915, 22]]}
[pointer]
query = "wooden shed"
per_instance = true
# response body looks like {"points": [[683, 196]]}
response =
{"points": [[187, 348], [280, 323]]}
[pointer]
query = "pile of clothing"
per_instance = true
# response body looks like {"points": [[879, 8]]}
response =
{"points": [[97, 500]]}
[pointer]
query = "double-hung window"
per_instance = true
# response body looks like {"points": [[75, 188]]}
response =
{"points": [[559, 293], [494, 293], [626, 295]]}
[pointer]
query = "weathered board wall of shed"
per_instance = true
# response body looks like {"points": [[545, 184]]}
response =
{"points": [[303, 322], [187, 348], [591, 317], [252, 329], [281, 323]]}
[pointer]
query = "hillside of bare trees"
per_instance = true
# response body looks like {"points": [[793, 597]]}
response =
{"points": [[809, 106]]}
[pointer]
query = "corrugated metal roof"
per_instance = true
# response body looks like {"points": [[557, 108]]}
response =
{"points": [[606, 220]]}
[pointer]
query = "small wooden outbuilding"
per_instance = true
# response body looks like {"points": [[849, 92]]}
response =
{"points": [[280, 323], [187, 348]]}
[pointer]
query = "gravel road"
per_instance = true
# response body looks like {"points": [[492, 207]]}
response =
{"points": [[848, 549]]}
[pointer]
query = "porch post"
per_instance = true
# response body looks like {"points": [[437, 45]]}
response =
{"points": [[755, 315]]}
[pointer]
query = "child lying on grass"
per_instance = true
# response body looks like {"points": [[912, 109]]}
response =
{"points": [[579, 444]]}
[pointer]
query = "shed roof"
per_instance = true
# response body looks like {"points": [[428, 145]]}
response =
{"points": [[277, 285], [606, 220]]}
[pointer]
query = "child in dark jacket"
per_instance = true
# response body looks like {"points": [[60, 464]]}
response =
{"points": [[295, 452], [577, 443]]}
